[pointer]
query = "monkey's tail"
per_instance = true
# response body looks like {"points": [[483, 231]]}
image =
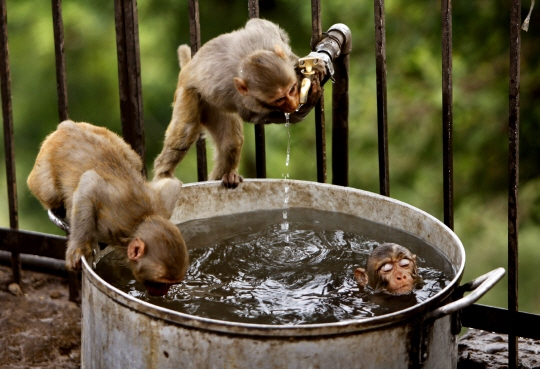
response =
{"points": [[184, 55]]}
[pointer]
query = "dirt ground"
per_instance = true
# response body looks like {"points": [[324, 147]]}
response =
{"points": [[39, 328]]}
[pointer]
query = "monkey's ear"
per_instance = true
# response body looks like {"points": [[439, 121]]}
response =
{"points": [[279, 51], [136, 249], [361, 277], [241, 86]]}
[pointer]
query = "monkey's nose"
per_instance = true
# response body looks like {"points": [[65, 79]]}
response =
{"points": [[292, 105]]}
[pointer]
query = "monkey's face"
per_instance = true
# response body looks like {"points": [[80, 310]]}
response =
{"points": [[286, 98], [397, 275], [390, 268], [156, 277], [158, 256]]}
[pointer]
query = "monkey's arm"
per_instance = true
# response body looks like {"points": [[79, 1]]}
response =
{"points": [[83, 219]]}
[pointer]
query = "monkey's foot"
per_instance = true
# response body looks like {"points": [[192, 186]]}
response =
{"points": [[73, 258], [232, 180]]}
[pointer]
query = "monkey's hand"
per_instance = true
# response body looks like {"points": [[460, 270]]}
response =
{"points": [[232, 180], [313, 97], [75, 253]]}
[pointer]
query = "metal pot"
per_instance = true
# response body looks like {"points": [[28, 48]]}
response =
{"points": [[120, 331]]}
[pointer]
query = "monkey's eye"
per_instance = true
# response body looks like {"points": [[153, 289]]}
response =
{"points": [[280, 101], [387, 267], [293, 88], [404, 262]]}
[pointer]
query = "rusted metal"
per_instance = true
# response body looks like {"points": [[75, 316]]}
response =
{"points": [[447, 113], [260, 141], [513, 175], [61, 85], [320, 121], [382, 102], [129, 75], [195, 43], [9, 147]]}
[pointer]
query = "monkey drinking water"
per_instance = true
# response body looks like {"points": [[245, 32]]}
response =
{"points": [[96, 177], [390, 268], [250, 74]]}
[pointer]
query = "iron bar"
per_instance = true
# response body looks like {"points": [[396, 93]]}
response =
{"points": [[37, 263], [253, 8], [129, 75], [9, 147], [320, 121], [340, 122], [260, 150], [195, 43], [501, 321], [260, 141], [513, 175], [447, 113], [382, 102], [27, 242], [61, 85]]}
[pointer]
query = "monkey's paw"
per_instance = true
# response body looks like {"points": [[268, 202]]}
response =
{"points": [[232, 180], [73, 258]]}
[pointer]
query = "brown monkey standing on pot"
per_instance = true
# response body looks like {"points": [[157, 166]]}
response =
{"points": [[390, 268], [250, 74], [96, 176]]}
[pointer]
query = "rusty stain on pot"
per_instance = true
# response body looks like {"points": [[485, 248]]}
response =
{"points": [[120, 331]]}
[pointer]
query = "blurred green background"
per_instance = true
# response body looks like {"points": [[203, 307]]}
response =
{"points": [[413, 34]]}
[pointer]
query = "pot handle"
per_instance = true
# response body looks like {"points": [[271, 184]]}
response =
{"points": [[479, 286]]}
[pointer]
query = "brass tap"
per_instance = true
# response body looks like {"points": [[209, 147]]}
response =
{"points": [[307, 64]]}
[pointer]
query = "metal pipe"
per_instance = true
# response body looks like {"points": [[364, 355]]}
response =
{"points": [[37, 263], [195, 42], [513, 173], [129, 75], [61, 85], [382, 101], [337, 46], [253, 8], [447, 113], [9, 147], [320, 121], [340, 122], [260, 140]]}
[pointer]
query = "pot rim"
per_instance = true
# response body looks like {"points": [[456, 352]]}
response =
{"points": [[289, 330]]}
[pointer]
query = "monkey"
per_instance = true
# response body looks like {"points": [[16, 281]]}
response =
{"points": [[391, 268], [96, 177], [250, 74]]}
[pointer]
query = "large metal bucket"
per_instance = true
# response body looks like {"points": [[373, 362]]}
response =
{"points": [[120, 331]]}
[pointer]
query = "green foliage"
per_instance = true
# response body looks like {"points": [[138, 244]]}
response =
{"points": [[413, 33]]}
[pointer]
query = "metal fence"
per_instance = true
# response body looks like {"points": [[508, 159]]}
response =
{"points": [[30, 244]]}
